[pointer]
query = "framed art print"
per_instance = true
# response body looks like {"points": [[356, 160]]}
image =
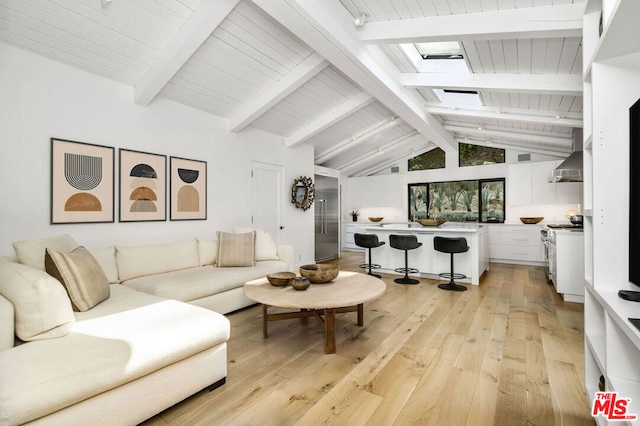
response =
{"points": [[188, 189], [143, 186], [82, 182]]}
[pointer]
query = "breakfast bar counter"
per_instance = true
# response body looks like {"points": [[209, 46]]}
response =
{"points": [[428, 261]]}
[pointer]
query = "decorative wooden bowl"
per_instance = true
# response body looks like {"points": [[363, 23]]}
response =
{"points": [[281, 279], [430, 222], [376, 219], [531, 220], [300, 283], [319, 273]]}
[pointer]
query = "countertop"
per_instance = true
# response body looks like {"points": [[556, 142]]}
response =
{"points": [[445, 227]]}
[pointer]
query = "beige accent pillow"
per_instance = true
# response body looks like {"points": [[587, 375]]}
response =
{"points": [[42, 307], [266, 248], [207, 252], [31, 252], [236, 249], [82, 276]]}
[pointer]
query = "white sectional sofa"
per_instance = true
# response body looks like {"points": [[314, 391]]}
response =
{"points": [[131, 356]]}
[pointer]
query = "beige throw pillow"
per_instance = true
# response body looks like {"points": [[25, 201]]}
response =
{"points": [[236, 249], [266, 248], [82, 276], [42, 309]]}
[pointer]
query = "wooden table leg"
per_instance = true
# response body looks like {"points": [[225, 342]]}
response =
{"points": [[265, 334], [329, 331], [361, 314]]}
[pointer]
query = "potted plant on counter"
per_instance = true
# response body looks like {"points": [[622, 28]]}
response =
{"points": [[354, 215]]}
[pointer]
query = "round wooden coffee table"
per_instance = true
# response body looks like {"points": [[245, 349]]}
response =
{"points": [[346, 293]]}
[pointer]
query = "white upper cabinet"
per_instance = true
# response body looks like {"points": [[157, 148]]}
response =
{"points": [[376, 191], [528, 184]]}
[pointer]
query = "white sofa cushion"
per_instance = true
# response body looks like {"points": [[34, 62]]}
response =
{"points": [[31, 252], [122, 339], [42, 307], [266, 248], [106, 257], [208, 252], [81, 275], [191, 284], [236, 249], [137, 261]]}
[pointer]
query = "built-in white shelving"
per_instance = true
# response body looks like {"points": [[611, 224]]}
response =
{"points": [[611, 85]]}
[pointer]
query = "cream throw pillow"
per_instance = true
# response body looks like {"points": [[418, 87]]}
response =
{"points": [[82, 276], [266, 248], [31, 252], [207, 252], [236, 249], [41, 306]]}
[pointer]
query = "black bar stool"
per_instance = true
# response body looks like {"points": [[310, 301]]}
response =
{"points": [[406, 243], [368, 241], [451, 246]]}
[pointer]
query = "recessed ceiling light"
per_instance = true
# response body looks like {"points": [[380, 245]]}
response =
{"points": [[480, 128], [361, 19]]}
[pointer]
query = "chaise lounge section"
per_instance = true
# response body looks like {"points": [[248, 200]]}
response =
{"points": [[155, 340]]}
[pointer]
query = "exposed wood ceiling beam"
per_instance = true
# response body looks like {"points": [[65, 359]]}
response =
{"points": [[359, 138], [329, 119], [392, 144], [561, 153], [564, 119], [328, 29], [304, 72], [549, 84], [405, 157], [533, 22], [539, 137], [202, 22]]}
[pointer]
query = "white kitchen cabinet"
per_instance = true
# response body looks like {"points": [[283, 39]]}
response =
{"points": [[528, 184], [568, 278], [519, 184], [376, 191], [349, 230], [612, 85], [516, 244]]}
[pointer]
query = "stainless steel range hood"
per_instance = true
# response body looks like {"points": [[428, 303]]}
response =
{"points": [[570, 170]]}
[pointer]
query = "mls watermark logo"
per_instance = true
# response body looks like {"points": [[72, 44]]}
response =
{"points": [[611, 407]]}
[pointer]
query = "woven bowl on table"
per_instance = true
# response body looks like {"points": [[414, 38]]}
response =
{"points": [[430, 222], [281, 279], [319, 273], [531, 220], [376, 218]]}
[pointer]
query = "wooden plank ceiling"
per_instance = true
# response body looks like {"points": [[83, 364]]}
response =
{"points": [[361, 95]]}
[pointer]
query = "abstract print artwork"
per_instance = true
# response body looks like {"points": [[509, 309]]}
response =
{"points": [[188, 189], [142, 186], [82, 182]]}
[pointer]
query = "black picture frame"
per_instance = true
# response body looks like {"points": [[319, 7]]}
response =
{"points": [[187, 189], [143, 186], [82, 182]]}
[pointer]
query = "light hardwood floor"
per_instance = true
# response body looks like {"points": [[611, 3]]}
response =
{"points": [[507, 352]]}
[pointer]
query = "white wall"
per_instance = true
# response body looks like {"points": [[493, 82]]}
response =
{"points": [[43, 99]]}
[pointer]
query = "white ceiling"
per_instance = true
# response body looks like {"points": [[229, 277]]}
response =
{"points": [[301, 69]]}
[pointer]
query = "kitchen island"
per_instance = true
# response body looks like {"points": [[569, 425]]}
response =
{"points": [[428, 261]]}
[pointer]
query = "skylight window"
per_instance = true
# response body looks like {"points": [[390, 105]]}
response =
{"points": [[440, 50]]}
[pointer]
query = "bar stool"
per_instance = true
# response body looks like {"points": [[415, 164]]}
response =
{"points": [[406, 243], [451, 246], [368, 241]]}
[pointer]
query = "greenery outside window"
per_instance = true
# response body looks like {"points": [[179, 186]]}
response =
{"points": [[459, 201], [477, 155], [434, 159]]}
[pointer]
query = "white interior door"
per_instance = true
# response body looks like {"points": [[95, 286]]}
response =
{"points": [[267, 189]]}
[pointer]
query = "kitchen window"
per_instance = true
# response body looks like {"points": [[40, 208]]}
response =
{"points": [[459, 201]]}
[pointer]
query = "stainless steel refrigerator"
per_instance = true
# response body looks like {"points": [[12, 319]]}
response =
{"points": [[327, 217]]}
